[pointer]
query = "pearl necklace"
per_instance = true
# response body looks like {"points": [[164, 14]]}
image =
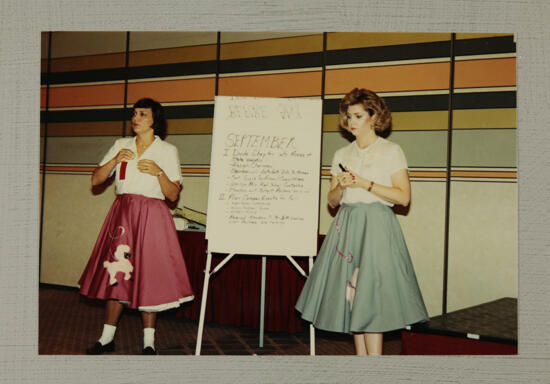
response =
{"points": [[143, 146]]}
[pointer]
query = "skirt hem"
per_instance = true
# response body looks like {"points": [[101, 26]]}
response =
{"points": [[351, 332], [147, 308]]}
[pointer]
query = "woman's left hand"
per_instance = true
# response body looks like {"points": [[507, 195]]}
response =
{"points": [[148, 166], [356, 180]]}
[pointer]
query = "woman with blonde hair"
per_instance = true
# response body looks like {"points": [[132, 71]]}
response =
{"points": [[363, 281]]}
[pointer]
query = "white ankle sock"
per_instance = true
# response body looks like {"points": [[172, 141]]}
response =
{"points": [[108, 334], [148, 338]]}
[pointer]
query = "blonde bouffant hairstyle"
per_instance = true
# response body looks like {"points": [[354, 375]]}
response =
{"points": [[373, 104]]}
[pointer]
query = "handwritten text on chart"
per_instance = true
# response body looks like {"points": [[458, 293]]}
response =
{"points": [[259, 141], [263, 172], [286, 111]]}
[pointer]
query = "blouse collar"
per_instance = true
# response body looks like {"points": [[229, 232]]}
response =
{"points": [[368, 148]]}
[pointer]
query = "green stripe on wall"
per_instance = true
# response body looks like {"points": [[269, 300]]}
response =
{"points": [[422, 148], [193, 149], [78, 150], [402, 121], [484, 148]]}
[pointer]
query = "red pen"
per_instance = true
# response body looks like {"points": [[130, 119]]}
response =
{"points": [[122, 174]]}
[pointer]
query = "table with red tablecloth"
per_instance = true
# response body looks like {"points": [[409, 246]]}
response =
{"points": [[486, 329], [234, 291]]}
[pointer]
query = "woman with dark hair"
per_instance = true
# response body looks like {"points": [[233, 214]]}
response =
{"points": [[137, 260], [363, 280]]}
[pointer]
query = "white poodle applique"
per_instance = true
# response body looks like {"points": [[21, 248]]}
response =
{"points": [[350, 288], [122, 264]]}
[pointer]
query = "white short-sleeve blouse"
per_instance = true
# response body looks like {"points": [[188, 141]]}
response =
{"points": [[377, 162], [136, 182]]}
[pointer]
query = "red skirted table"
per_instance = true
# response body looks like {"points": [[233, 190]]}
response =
{"points": [[234, 291], [485, 329]]}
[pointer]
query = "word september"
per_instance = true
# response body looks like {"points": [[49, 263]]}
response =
{"points": [[259, 141]]}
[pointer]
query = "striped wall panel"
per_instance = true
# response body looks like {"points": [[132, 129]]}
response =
{"points": [[484, 109], [94, 77], [411, 70]]}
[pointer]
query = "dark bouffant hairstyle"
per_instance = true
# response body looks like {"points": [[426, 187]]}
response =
{"points": [[159, 121], [373, 104]]}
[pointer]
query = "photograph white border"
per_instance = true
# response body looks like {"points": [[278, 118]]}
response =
{"points": [[22, 22]]}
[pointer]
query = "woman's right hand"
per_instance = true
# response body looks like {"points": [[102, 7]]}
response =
{"points": [[336, 189], [124, 155]]}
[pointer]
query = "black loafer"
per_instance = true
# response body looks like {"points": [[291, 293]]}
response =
{"points": [[148, 351], [98, 348]]}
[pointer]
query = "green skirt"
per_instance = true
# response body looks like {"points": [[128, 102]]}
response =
{"points": [[363, 279]]}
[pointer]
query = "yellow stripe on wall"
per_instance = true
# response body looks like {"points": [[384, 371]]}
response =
{"points": [[190, 126], [330, 123], [462, 36], [347, 40], [272, 47], [82, 63], [92, 128], [484, 118], [420, 121], [173, 55], [194, 126], [147, 40]]}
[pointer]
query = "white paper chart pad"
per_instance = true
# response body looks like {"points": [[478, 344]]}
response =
{"points": [[263, 193]]}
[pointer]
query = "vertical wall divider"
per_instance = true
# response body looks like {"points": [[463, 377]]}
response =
{"points": [[127, 70], [218, 49], [448, 175], [323, 75], [43, 186]]}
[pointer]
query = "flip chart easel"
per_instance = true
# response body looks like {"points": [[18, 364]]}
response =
{"points": [[263, 196]]}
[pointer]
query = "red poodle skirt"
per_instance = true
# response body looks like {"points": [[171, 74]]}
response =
{"points": [[137, 258]]}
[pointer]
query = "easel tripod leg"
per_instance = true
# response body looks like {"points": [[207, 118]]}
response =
{"points": [[203, 304], [262, 302], [311, 328]]}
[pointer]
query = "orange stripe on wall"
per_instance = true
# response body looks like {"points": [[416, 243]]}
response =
{"points": [[324, 172], [173, 90], [87, 95], [275, 85], [485, 73], [67, 168], [442, 174], [43, 94], [429, 174], [412, 77], [485, 174]]}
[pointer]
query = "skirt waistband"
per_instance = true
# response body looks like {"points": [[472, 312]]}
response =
{"points": [[374, 204], [136, 196]]}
